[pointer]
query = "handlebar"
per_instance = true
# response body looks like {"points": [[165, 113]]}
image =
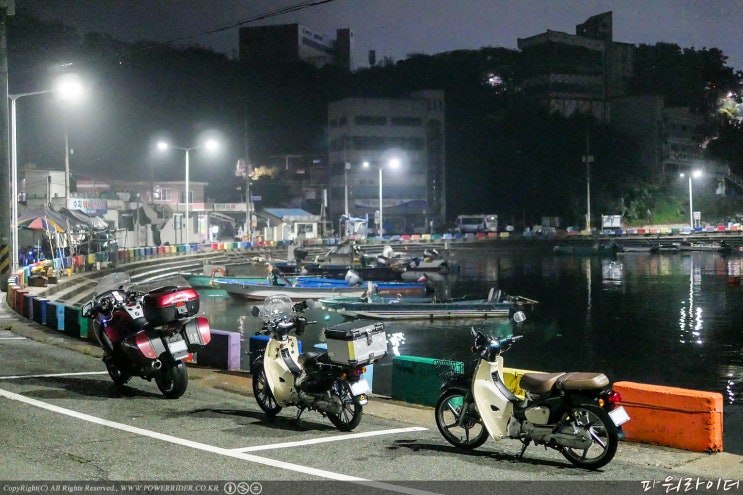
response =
{"points": [[485, 344]]}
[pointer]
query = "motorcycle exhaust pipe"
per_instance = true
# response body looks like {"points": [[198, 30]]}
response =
{"points": [[157, 364]]}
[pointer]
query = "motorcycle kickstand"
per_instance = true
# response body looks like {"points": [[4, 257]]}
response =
{"points": [[299, 413], [523, 449]]}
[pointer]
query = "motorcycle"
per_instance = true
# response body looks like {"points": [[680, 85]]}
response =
{"points": [[328, 382], [147, 334], [577, 414]]}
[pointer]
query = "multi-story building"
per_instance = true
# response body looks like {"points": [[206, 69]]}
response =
{"points": [[577, 73], [375, 131], [285, 43]]}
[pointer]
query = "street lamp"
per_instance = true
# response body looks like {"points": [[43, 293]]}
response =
{"points": [[393, 163], [695, 174], [209, 145], [68, 88]]}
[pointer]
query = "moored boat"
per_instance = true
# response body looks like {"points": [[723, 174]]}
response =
{"points": [[301, 288], [709, 246], [380, 307]]}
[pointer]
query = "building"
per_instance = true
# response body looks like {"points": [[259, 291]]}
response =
{"points": [[577, 73], [286, 43], [375, 131]]}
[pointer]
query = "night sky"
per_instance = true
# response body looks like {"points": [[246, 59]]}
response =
{"points": [[396, 28]]}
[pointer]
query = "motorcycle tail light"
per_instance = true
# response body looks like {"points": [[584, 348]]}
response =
{"points": [[614, 397], [357, 372]]}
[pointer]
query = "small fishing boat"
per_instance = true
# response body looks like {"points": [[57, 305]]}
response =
{"points": [[587, 249], [301, 288], [380, 307], [644, 247], [709, 246]]}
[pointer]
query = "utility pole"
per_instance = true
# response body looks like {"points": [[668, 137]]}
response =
{"points": [[6, 221]]}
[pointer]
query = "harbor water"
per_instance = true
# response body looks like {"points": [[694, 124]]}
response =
{"points": [[671, 319]]}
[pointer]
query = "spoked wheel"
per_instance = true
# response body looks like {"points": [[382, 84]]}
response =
{"points": [[118, 375], [351, 411], [459, 422], [262, 391], [597, 424], [172, 379]]}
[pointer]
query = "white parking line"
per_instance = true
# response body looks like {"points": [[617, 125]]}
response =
{"points": [[274, 463], [12, 338], [336, 438], [54, 375]]}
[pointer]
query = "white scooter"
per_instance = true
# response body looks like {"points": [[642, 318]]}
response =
{"points": [[312, 380], [577, 414]]}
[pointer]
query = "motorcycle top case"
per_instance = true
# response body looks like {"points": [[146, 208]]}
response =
{"points": [[356, 342], [170, 303]]}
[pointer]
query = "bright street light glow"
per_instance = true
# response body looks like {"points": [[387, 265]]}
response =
{"points": [[392, 163], [210, 145], [695, 174], [70, 88]]}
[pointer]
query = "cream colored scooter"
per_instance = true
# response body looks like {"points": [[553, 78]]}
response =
{"points": [[283, 377], [577, 414]]}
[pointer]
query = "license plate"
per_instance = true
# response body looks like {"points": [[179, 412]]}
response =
{"points": [[360, 387], [619, 415], [178, 349]]}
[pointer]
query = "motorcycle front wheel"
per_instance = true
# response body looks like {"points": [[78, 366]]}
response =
{"points": [[118, 375], [597, 423], [262, 391], [466, 432], [351, 411], [172, 379]]}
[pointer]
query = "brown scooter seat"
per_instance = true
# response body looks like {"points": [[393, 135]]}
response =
{"points": [[582, 381], [539, 383]]}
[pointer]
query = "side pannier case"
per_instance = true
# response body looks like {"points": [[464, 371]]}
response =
{"points": [[170, 303], [356, 342]]}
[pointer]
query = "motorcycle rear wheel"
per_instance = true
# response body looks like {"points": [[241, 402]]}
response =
{"points": [[350, 415], [468, 435], [262, 392], [598, 424], [172, 379]]}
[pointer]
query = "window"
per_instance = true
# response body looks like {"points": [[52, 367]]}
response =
{"points": [[304, 228], [163, 194], [370, 120], [407, 121]]}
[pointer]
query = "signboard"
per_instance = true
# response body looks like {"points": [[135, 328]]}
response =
{"points": [[229, 206], [88, 205], [611, 221]]}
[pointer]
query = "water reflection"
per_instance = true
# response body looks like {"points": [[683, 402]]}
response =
{"points": [[691, 317], [666, 319]]}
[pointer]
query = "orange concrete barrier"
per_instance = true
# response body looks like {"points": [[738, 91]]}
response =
{"points": [[674, 417]]}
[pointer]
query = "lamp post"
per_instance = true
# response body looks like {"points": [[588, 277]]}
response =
{"points": [[393, 163], [694, 174], [68, 87], [346, 167], [210, 145]]}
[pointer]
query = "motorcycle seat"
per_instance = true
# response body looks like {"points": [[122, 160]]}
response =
{"points": [[582, 381], [539, 383]]}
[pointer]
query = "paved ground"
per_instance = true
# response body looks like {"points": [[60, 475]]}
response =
{"points": [[417, 456]]}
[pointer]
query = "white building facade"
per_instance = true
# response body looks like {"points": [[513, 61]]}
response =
{"points": [[376, 131]]}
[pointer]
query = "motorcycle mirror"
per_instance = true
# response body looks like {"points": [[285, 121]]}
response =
{"points": [[255, 311], [87, 309]]}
